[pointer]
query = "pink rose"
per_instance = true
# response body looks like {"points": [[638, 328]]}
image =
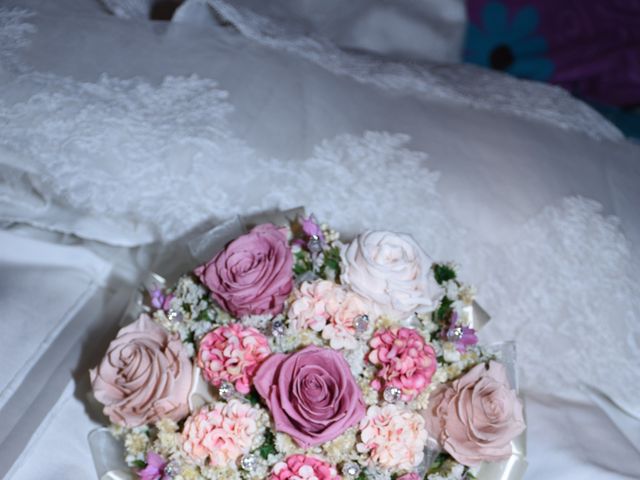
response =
{"points": [[311, 394], [232, 353], [405, 359], [253, 274], [475, 418], [145, 375], [303, 467]]}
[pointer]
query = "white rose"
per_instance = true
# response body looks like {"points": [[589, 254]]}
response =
{"points": [[391, 271]]}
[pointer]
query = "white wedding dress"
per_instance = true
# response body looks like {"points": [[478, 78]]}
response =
{"points": [[151, 130]]}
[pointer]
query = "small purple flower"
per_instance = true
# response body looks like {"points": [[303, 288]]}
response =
{"points": [[154, 469], [159, 300], [462, 337], [311, 228]]}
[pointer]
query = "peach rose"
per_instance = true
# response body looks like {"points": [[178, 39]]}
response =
{"points": [[145, 375], [475, 418]]}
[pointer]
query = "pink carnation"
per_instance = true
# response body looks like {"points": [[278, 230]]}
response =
{"points": [[309, 307], [394, 436], [221, 432], [302, 467], [344, 308], [406, 361], [232, 353]]}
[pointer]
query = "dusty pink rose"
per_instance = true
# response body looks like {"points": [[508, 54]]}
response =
{"points": [[145, 375], [221, 432], [394, 435], [311, 394], [232, 353], [252, 275], [303, 467], [475, 418], [405, 360]]}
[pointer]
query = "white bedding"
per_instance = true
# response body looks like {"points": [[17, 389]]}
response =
{"points": [[538, 203]]}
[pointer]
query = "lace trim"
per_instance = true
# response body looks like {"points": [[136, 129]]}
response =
{"points": [[14, 35], [465, 84]]}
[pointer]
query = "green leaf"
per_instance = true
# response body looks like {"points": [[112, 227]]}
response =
{"points": [[141, 464], [437, 463], [253, 396], [362, 476], [443, 273], [268, 447], [444, 309]]}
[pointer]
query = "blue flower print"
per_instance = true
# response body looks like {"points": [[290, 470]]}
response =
{"points": [[510, 45]]}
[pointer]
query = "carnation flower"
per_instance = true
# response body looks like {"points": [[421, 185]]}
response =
{"points": [[221, 432], [232, 353], [406, 361], [309, 307], [303, 467], [394, 436], [344, 308], [323, 306]]}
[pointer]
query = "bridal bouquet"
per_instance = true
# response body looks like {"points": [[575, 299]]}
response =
{"points": [[291, 355]]}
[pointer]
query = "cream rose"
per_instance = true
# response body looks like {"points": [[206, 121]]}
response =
{"points": [[391, 271], [145, 375], [475, 418]]}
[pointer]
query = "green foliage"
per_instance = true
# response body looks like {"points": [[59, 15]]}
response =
{"points": [[253, 396], [302, 263], [331, 262], [443, 273], [141, 464], [362, 476], [268, 447], [444, 310], [437, 463]]}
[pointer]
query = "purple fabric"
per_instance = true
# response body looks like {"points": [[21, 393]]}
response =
{"points": [[594, 45]]}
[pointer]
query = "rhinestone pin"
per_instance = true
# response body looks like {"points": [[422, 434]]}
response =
{"points": [[361, 323], [249, 462], [455, 334], [174, 316], [172, 469], [277, 328], [226, 390], [351, 470], [392, 394], [314, 244]]}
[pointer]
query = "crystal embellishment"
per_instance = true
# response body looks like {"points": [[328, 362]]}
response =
{"points": [[249, 462], [226, 390], [351, 470], [361, 323], [392, 394]]}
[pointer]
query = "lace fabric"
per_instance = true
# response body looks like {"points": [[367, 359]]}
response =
{"points": [[15, 33], [465, 84]]}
